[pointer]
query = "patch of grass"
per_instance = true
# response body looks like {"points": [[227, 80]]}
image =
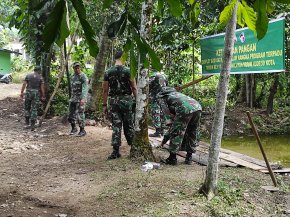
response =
{"points": [[282, 184]]}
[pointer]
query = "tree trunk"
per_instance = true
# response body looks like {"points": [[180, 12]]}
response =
{"points": [[46, 72], [273, 91], [209, 187], [242, 94], [250, 90], [141, 147], [95, 103], [193, 66], [247, 79]]}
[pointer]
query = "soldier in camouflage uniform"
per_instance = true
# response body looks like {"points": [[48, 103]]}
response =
{"points": [[79, 88], [119, 86], [156, 80], [183, 114], [34, 84]]}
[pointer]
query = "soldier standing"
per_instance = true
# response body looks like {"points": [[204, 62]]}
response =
{"points": [[157, 80], [34, 84], [183, 113], [119, 86], [79, 88]]}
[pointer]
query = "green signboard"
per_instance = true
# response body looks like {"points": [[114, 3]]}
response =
{"points": [[250, 55], [5, 65]]}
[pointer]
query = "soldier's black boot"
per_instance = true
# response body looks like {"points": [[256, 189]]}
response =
{"points": [[27, 121], [158, 133], [74, 130], [188, 158], [115, 154], [171, 160], [32, 126], [82, 132]]}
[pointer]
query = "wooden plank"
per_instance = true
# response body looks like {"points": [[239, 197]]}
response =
{"points": [[285, 170], [227, 157], [242, 156], [270, 188], [202, 158], [241, 162], [237, 160]]}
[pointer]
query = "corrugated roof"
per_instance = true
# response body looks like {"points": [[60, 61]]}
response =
{"points": [[9, 51]]}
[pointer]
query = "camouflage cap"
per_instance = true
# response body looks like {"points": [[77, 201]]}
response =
{"points": [[156, 82], [37, 68], [76, 64]]}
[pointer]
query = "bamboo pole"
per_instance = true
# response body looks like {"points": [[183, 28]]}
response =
{"points": [[192, 83], [261, 148]]}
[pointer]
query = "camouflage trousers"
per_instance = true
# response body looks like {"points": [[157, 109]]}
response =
{"points": [[77, 114], [31, 104], [156, 115], [184, 132], [121, 111]]}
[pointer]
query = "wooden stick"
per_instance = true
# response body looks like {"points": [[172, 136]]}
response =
{"points": [[261, 148], [180, 154], [192, 82]]}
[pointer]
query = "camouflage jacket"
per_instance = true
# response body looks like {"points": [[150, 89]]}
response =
{"points": [[118, 78], [156, 82], [79, 87], [175, 103]]}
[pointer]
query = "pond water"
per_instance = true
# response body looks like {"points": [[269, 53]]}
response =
{"points": [[277, 148]]}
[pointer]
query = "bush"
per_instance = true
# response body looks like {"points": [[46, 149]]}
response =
{"points": [[19, 67]]}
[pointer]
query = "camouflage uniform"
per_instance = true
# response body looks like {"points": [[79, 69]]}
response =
{"points": [[156, 81], [183, 113], [79, 88], [31, 103], [120, 103]]}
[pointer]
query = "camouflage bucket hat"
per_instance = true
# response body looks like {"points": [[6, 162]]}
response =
{"points": [[156, 82], [76, 64]]}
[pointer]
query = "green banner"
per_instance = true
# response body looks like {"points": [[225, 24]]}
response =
{"points": [[250, 55]]}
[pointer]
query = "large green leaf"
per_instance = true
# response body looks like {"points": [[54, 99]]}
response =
{"points": [[88, 30], [133, 22], [160, 7], [56, 27], [90, 37], [191, 2], [133, 62], [270, 7], [262, 18], [240, 19], [140, 46], [226, 14], [117, 27], [123, 23], [64, 31], [155, 61], [80, 8], [249, 16], [107, 3], [194, 12], [175, 7], [126, 49]]}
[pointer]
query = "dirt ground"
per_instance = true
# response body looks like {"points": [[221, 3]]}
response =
{"points": [[48, 173]]}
